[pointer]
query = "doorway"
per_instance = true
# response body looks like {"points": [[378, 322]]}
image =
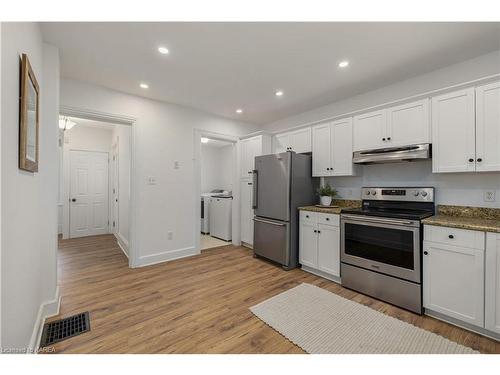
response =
{"points": [[216, 194], [95, 179]]}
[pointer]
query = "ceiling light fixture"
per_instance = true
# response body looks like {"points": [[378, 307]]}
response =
{"points": [[144, 86], [239, 110], [343, 64], [204, 140], [163, 50], [279, 93], [65, 123]]}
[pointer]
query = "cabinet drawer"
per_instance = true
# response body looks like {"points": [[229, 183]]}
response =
{"points": [[308, 217], [454, 236], [328, 219]]}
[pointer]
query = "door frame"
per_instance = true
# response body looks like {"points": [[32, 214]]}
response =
{"points": [[114, 188], [235, 211], [119, 120], [68, 186]]}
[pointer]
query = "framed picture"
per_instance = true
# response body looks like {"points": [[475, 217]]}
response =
{"points": [[29, 107]]}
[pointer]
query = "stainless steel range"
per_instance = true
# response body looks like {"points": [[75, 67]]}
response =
{"points": [[381, 244]]}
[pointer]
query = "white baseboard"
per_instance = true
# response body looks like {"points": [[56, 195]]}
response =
{"points": [[165, 256], [122, 243], [59, 228], [46, 310]]}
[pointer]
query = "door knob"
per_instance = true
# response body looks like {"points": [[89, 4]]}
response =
{"points": [[451, 236], [383, 139], [73, 200], [388, 138], [479, 160], [471, 160], [426, 253]]}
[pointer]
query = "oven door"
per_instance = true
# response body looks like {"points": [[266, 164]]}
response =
{"points": [[389, 246]]}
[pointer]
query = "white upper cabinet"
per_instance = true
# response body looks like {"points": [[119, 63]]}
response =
{"points": [[332, 149], [321, 150], [369, 130], [402, 125], [296, 140], [488, 127], [453, 134], [492, 291], [408, 124], [341, 148], [250, 148]]}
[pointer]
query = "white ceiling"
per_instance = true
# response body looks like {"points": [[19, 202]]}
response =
{"points": [[219, 67]]}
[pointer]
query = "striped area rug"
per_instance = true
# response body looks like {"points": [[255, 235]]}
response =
{"points": [[319, 321]]}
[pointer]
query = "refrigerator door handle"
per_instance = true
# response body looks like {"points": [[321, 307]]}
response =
{"points": [[254, 190], [269, 222]]}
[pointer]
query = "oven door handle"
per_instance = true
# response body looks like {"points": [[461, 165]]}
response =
{"points": [[369, 219]]}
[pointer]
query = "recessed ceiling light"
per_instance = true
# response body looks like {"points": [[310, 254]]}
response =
{"points": [[204, 140], [144, 86], [279, 93], [163, 50], [343, 64], [239, 110]]}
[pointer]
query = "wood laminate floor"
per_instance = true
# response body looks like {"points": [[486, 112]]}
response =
{"points": [[192, 305]]}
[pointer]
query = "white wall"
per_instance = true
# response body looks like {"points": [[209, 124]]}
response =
{"points": [[122, 136], [163, 135], [451, 188], [216, 168], [29, 219]]}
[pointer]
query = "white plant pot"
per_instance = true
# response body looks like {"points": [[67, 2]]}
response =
{"points": [[325, 200]]}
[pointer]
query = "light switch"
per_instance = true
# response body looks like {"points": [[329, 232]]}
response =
{"points": [[151, 180], [176, 165]]}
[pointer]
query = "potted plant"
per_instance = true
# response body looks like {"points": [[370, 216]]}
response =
{"points": [[326, 193]]}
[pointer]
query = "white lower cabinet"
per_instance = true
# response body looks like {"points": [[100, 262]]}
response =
{"points": [[453, 275], [319, 246], [492, 284]]}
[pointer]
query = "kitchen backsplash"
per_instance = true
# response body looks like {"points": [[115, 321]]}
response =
{"points": [[462, 189]]}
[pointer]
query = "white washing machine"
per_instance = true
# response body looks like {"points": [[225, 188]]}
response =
{"points": [[221, 216], [205, 209]]}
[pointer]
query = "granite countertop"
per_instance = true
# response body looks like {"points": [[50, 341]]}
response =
{"points": [[473, 218], [336, 208]]}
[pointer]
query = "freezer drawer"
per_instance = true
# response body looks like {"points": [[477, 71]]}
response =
{"points": [[272, 240]]}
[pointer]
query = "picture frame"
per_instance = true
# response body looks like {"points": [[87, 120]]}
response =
{"points": [[29, 118]]}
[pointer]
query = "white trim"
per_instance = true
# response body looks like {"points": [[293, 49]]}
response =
{"points": [[469, 327], [235, 212], [122, 243], [259, 132], [423, 95], [164, 256], [322, 274], [47, 309], [134, 196]]}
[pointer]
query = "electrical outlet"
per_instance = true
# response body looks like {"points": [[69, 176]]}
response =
{"points": [[176, 165], [151, 180], [489, 196], [170, 235]]}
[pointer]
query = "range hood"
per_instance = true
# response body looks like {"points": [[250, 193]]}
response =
{"points": [[393, 154]]}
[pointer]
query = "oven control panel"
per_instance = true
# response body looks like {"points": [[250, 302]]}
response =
{"points": [[412, 194]]}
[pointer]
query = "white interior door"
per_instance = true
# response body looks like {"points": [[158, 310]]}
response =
{"points": [[88, 193], [116, 186]]}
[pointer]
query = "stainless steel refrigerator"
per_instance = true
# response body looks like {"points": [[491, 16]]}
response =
{"points": [[282, 183]]}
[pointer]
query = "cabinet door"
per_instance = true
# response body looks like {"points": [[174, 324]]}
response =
{"points": [[492, 292], [281, 142], [341, 147], [308, 246], [488, 127], [453, 132], [246, 214], [300, 140], [454, 281], [369, 130], [329, 249], [245, 158], [408, 124], [321, 150]]}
